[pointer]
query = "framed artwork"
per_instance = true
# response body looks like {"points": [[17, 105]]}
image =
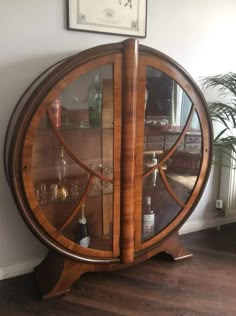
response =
{"points": [[120, 17]]}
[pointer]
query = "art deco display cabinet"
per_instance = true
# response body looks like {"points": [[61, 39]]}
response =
{"points": [[107, 154]]}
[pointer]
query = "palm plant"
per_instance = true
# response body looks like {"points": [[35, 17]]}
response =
{"points": [[223, 113]]}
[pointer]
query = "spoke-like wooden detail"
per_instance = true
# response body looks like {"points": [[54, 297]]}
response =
{"points": [[169, 189], [72, 155], [79, 205], [173, 149]]}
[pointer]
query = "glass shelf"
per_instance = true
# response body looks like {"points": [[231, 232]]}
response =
{"points": [[74, 128], [47, 191]]}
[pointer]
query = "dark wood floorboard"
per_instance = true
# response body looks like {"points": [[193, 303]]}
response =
{"points": [[202, 285]]}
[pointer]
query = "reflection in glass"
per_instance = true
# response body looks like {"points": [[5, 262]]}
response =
{"points": [[167, 103], [95, 102], [166, 113], [55, 109], [184, 165]]}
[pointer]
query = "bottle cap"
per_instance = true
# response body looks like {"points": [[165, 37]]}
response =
{"points": [[83, 220], [96, 78], [148, 200]]}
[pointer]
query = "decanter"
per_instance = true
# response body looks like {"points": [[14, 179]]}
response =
{"points": [[62, 165]]}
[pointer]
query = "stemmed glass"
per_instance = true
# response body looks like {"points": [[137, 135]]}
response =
{"points": [[62, 165]]}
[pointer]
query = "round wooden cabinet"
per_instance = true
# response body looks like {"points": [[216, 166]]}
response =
{"points": [[107, 155]]}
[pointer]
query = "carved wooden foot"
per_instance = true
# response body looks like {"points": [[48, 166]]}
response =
{"points": [[56, 274], [174, 247]]}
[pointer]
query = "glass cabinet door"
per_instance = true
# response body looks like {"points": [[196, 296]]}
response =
{"points": [[72, 160], [172, 152]]}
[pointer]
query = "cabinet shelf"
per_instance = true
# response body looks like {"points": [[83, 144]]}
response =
{"points": [[99, 242], [49, 201]]}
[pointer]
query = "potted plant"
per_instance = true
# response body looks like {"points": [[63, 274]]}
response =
{"points": [[223, 114]]}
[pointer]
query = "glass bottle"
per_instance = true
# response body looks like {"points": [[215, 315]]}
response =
{"points": [[84, 239], [153, 176], [95, 102], [148, 219]]}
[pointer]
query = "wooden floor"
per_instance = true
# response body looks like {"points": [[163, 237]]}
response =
{"points": [[202, 285]]}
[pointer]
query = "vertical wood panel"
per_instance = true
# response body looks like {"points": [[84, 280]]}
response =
{"points": [[129, 81], [139, 154], [117, 152]]}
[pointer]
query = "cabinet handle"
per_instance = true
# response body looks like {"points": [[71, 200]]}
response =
{"points": [[25, 168]]}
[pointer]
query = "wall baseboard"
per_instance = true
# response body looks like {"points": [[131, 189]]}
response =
{"points": [[189, 227], [17, 269], [193, 226]]}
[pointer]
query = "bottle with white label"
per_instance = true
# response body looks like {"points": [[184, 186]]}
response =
{"points": [[84, 239], [148, 220]]}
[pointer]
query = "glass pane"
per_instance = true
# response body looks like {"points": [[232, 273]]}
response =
{"points": [[184, 165], [167, 190], [166, 112], [73, 177]]}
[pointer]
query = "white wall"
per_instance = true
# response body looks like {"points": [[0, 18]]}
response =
{"points": [[200, 35]]}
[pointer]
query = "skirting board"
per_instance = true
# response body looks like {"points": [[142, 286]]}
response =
{"points": [[189, 227], [193, 226], [17, 269]]}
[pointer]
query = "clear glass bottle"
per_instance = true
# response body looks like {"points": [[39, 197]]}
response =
{"points": [[152, 178], [95, 102], [148, 219], [84, 238]]}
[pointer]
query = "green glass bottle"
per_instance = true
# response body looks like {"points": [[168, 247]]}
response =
{"points": [[95, 102]]}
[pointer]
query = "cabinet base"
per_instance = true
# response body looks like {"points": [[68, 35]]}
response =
{"points": [[174, 247], [56, 274]]}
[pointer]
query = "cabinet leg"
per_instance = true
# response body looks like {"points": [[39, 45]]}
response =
{"points": [[56, 274], [174, 247]]}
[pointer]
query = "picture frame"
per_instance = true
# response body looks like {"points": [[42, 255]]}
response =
{"points": [[118, 17]]}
